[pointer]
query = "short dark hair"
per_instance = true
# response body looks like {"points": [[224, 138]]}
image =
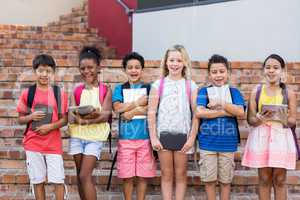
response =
{"points": [[89, 52], [276, 57], [218, 59], [131, 56], [43, 59]]}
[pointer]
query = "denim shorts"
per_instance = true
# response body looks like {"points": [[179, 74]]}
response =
{"points": [[78, 146]]}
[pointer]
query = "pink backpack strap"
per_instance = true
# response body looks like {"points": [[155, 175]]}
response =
{"points": [[77, 93], [161, 87], [188, 90], [102, 92]]}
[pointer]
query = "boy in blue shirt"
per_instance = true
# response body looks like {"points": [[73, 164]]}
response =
{"points": [[217, 107], [135, 157]]}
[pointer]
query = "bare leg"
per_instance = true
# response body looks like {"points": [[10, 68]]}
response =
{"points": [[279, 183], [128, 188], [180, 165], [141, 188], [210, 188], [59, 191], [167, 170], [265, 183], [39, 191], [87, 165], [78, 159], [225, 191]]}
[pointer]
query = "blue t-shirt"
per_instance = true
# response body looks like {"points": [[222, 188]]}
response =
{"points": [[135, 129], [219, 134]]}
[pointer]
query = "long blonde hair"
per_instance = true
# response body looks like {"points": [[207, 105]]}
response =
{"points": [[185, 58]]}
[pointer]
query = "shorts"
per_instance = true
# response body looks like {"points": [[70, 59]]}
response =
{"points": [[80, 146], [135, 158], [216, 166], [40, 166]]}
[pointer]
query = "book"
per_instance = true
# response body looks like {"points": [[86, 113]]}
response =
{"points": [[275, 109], [219, 94], [131, 95], [82, 110], [48, 110]]}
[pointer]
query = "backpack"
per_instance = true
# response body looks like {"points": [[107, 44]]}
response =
{"points": [[189, 94], [30, 98], [284, 92], [125, 86]]}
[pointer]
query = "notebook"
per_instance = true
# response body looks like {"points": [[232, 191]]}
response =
{"points": [[131, 95], [219, 94], [48, 110], [81, 110]]}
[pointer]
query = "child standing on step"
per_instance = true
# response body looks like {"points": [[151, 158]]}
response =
{"points": [[218, 107], [135, 157], [43, 108], [270, 145], [170, 112], [89, 131]]}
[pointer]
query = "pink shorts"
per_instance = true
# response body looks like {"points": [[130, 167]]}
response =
{"points": [[135, 158]]}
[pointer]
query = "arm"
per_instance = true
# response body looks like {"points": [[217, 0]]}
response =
{"points": [[203, 112], [140, 110], [234, 110], [195, 125], [152, 110], [252, 118], [125, 107], [102, 116]]}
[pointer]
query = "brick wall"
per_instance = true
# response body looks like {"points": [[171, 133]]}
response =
{"points": [[63, 40]]}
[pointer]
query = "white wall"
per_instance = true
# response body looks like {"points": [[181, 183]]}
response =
{"points": [[241, 30], [34, 12]]}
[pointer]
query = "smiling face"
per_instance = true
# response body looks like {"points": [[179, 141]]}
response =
{"points": [[88, 71], [134, 70], [44, 74], [175, 63], [272, 71], [218, 74]]}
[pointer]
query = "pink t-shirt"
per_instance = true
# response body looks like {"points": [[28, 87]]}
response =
{"points": [[50, 143]]}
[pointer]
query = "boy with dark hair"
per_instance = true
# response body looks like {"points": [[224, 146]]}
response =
{"points": [[218, 107], [135, 157], [43, 108]]}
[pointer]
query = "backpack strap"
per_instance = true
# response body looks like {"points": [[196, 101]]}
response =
{"points": [[257, 96], [293, 128], [188, 90], [161, 87], [235, 118], [57, 95], [102, 92], [30, 97], [77, 93]]}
